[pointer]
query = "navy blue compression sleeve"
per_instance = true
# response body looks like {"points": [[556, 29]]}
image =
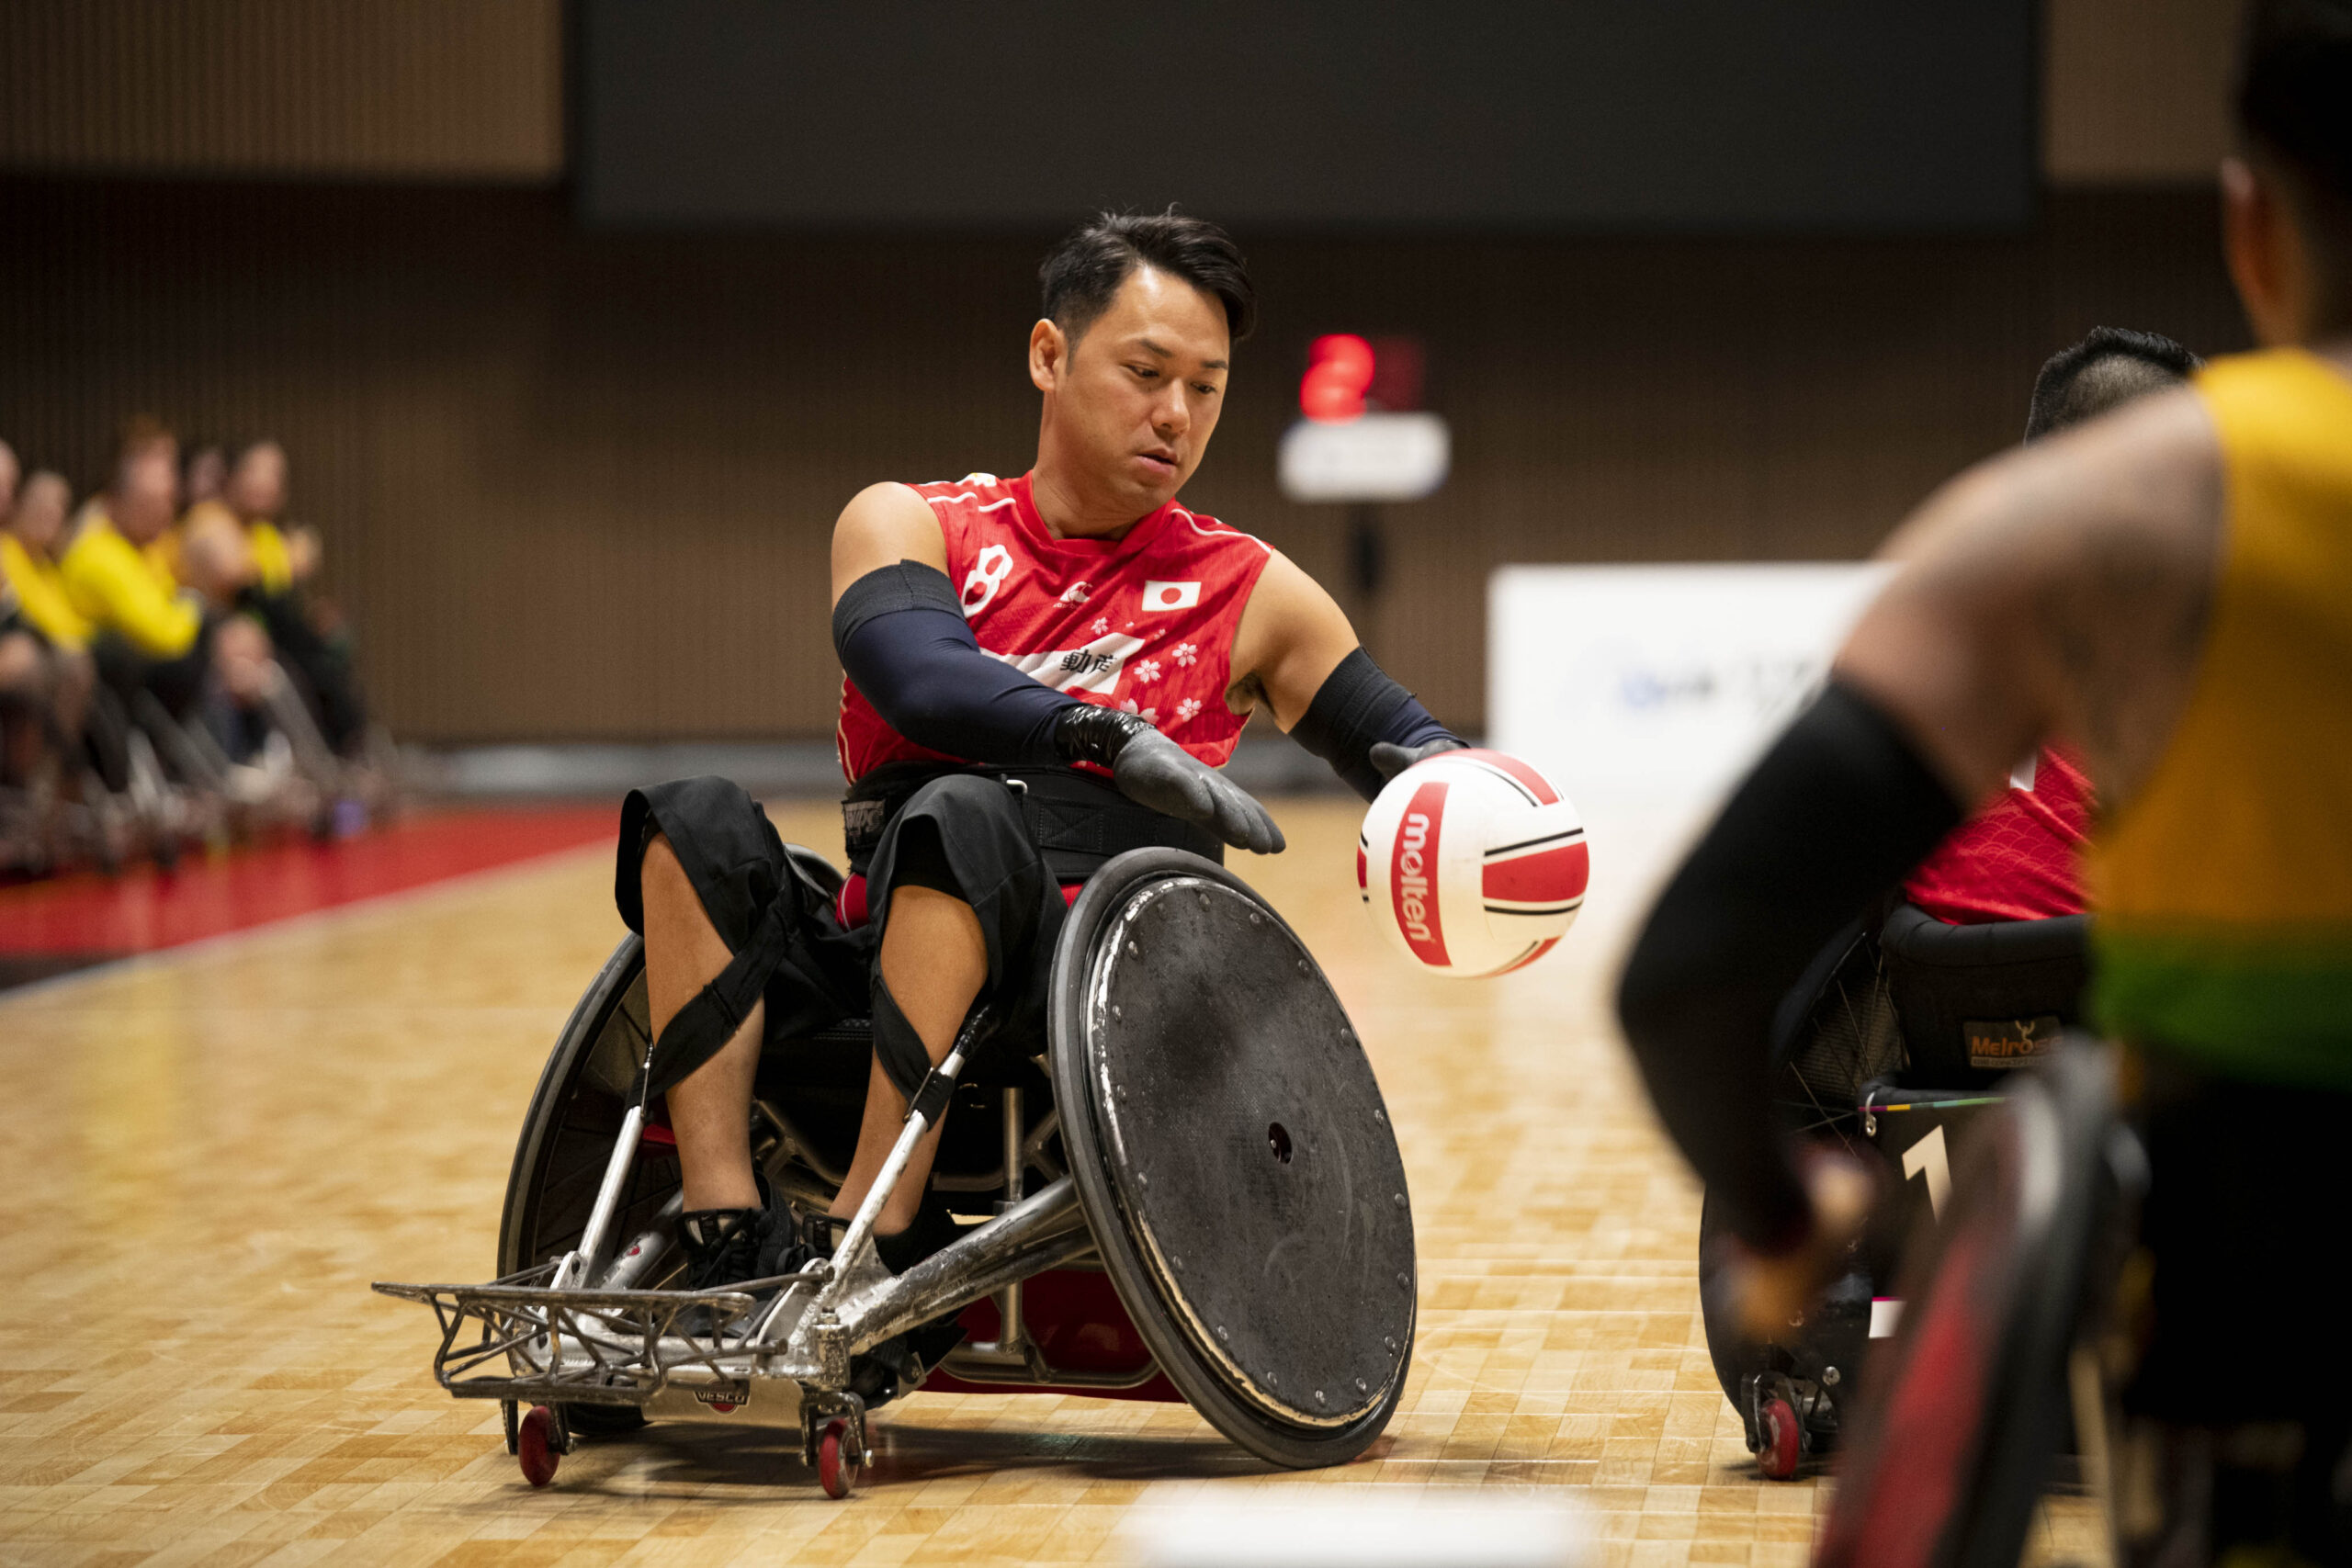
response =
{"points": [[1837, 812], [904, 642], [1357, 707]]}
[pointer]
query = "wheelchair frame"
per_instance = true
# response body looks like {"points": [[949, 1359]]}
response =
{"points": [[573, 1331]]}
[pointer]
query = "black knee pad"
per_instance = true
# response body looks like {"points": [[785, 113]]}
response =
{"points": [[896, 1045]]}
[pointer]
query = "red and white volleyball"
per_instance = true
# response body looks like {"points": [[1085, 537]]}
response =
{"points": [[1473, 862]]}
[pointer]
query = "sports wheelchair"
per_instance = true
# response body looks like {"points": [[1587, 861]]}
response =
{"points": [[1219, 1211], [1901, 1034]]}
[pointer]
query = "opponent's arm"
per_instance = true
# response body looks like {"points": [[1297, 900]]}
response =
{"points": [[1294, 653], [899, 631], [2060, 590]]}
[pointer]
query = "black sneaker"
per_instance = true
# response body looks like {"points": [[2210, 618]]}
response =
{"points": [[899, 1363], [733, 1247], [724, 1246]]}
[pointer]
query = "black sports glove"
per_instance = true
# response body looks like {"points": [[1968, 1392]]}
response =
{"points": [[1391, 760], [1153, 770]]}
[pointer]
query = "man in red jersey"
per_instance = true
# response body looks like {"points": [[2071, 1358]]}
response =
{"points": [[1043, 671]]}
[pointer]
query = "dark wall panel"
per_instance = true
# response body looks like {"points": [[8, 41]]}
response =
{"points": [[1853, 115], [579, 486]]}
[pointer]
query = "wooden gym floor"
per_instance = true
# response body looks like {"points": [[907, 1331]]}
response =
{"points": [[210, 1153]]}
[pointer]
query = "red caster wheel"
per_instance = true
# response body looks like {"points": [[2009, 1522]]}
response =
{"points": [[535, 1444], [836, 1461], [1776, 1425]]}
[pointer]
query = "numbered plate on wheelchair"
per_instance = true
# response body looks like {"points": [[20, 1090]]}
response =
{"points": [[1234, 1157]]}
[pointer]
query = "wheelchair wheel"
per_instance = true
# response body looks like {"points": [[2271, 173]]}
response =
{"points": [[1234, 1157], [1965, 1410], [567, 1139]]}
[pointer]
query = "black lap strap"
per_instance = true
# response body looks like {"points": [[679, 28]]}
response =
{"points": [[1077, 820]]}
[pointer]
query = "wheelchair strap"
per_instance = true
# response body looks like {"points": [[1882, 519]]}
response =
{"points": [[1076, 820], [707, 1023]]}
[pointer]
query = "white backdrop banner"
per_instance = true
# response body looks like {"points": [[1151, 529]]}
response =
{"points": [[1647, 691]]}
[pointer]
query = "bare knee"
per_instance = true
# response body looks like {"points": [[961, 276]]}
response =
{"points": [[684, 951], [662, 881]]}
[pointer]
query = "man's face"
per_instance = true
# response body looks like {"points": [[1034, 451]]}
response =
{"points": [[1134, 402], [143, 506], [41, 512], [7, 477], [257, 488]]}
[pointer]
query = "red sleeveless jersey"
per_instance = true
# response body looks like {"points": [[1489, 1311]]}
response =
{"points": [[1144, 624]]}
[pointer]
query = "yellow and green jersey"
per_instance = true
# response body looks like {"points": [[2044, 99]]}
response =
{"points": [[2224, 889]]}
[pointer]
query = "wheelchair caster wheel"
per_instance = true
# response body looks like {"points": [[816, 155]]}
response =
{"points": [[836, 1461], [1777, 1423], [536, 1445]]}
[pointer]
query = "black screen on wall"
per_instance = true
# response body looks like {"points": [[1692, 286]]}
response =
{"points": [[1647, 114]]}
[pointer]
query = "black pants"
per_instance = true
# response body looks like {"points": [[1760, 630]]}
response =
{"points": [[321, 664], [961, 834], [177, 682]]}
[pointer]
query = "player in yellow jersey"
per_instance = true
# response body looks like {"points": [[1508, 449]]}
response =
{"points": [[29, 529], [272, 565], [2167, 591], [46, 675], [155, 640]]}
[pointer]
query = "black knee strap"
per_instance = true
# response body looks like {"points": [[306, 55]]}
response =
{"points": [[896, 1045], [717, 1010]]}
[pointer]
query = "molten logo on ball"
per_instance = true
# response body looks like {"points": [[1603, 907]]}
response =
{"points": [[1483, 862], [1417, 850]]}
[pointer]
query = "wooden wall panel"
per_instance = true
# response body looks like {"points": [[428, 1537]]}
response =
{"points": [[401, 89], [578, 486], [2136, 91]]}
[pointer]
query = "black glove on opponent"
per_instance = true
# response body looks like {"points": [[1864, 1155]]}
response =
{"points": [[1153, 770]]}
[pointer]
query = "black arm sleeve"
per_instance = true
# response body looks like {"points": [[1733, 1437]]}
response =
{"points": [[1356, 707], [905, 644], [1839, 810]]}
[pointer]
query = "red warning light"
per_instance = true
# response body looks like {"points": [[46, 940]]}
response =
{"points": [[1339, 373]]}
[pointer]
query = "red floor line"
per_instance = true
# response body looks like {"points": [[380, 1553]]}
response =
{"points": [[144, 910]]}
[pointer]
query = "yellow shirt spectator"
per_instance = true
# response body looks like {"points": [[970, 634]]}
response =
{"points": [[41, 596], [273, 563], [117, 587]]}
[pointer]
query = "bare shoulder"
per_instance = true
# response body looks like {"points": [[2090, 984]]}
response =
{"points": [[883, 525], [2060, 590]]}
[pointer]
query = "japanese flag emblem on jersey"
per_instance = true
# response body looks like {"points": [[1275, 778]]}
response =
{"points": [[1170, 595], [1472, 864]]}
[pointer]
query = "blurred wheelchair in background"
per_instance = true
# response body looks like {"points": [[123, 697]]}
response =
{"points": [[1901, 1035]]}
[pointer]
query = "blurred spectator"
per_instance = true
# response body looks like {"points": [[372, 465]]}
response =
{"points": [[29, 530], [283, 560], [149, 634], [204, 550]]}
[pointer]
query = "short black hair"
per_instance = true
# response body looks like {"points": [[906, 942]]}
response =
{"points": [[2106, 369], [1080, 274], [2294, 91]]}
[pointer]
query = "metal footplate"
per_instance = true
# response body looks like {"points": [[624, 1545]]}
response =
{"points": [[593, 1347], [577, 1347]]}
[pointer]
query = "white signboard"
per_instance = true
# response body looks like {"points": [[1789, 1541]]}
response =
{"points": [[1376, 457], [1647, 691]]}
